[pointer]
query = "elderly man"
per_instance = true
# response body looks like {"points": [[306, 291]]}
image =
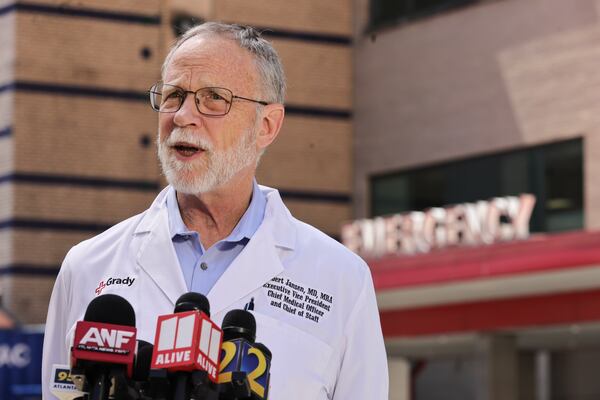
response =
{"points": [[214, 230]]}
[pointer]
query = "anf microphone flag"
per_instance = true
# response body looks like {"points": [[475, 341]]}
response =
{"points": [[187, 341], [104, 343]]}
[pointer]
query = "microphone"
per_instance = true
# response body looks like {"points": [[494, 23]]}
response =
{"points": [[104, 347], [143, 358], [244, 364], [139, 385], [187, 345]]}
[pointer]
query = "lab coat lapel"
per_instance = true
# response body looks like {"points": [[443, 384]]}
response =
{"points": [[260, 260], [251, 269], [156, 254]]}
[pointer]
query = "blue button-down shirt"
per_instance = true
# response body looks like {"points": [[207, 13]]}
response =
{"points": [[203, 267]]}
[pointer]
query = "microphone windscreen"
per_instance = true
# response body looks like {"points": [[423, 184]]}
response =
{"points": [[143, 359], [110, 309], [239, 324], [192, 301]]}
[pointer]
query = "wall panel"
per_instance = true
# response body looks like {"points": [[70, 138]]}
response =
{"points": [[44, 247], [76, 203], [6, 109], [327, 217], [332, 17], [146, 7], [7, 48], [318, 75], [6, 156], [30, 309], [85, 136], [85, 51], [6, 244], [6, 201], [310, 154]]}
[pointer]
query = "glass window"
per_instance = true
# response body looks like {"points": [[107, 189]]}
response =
{"points": [[552, 172]]}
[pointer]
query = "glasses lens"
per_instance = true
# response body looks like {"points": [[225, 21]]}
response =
{"points": [[214, 101], [166, 98]]}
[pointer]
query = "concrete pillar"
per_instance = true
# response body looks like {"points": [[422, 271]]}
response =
{"points": [[542, 375], [399, 370], [503, 367]]}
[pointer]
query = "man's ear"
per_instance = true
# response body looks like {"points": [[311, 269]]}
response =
{"points": [[270, 125]]}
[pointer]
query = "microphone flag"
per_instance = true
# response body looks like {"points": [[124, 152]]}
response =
{"points": [[239, 355], [187, 341], [104, 343]]}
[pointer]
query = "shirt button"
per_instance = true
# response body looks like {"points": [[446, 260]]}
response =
{"points": [[204, 266]]}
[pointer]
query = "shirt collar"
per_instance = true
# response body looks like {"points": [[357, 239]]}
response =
{"points": [[176, 225], [245, 228]]}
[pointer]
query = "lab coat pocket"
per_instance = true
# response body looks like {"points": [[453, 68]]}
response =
{"points": [[299, 363]]}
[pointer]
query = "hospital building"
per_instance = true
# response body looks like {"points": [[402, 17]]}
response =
{"points": [[454, 144]]}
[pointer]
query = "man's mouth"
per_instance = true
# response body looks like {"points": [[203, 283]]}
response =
{"points": [[186, 149]]}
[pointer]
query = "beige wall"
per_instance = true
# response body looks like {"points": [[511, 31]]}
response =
{"points": [[333, 17], [494, 76]]}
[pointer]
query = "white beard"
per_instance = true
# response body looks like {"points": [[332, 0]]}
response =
{"points": [[212, 169]]}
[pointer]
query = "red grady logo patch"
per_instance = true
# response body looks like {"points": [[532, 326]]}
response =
{"points": [[100, 287]]}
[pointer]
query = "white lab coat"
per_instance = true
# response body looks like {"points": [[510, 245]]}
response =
{"points": [[341, 357]]}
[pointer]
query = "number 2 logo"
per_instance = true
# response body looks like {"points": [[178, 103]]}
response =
{"points": [[229, 354]]}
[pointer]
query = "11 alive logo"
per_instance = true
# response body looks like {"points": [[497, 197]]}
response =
{"points": [[187, 341], [101, 342]]}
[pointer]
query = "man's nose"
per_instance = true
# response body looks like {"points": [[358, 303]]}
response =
{"points": [[188, 113]]}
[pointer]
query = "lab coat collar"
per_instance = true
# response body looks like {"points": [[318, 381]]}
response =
{"points": [[258, 263], [156, 254]]}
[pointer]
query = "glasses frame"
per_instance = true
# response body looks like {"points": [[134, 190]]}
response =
{"points": [[195, 93]]}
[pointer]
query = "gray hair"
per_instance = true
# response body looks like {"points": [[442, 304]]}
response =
{"points": [[266, 58]]}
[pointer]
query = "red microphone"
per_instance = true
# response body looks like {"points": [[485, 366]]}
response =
{"points": [[188, 342], [104, 345]]}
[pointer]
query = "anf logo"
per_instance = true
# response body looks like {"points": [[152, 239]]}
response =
{"points": [[100, 342], [104, 337], [100, 287]]}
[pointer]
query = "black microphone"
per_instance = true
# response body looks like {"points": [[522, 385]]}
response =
{"points": [[186, 351], [139, 383], [134, 388], [143, 358], [102, 356], [244, 364], [192, 301]]}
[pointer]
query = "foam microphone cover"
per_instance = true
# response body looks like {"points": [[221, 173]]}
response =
{"points": [[110, 309], [192, 301], [239, 324]]}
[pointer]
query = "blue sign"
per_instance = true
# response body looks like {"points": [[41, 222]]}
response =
{"points": [[20, 364]]}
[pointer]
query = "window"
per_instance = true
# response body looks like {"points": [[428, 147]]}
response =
{"points": [[553, 173], [390, 12]]}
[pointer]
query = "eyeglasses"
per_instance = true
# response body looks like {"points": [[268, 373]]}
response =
{"points": [[213, 101]]}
